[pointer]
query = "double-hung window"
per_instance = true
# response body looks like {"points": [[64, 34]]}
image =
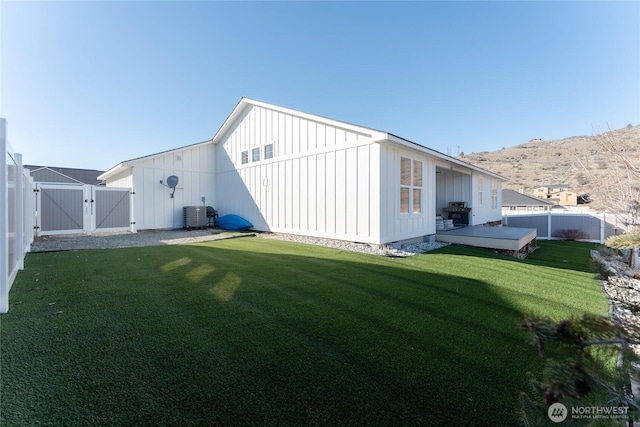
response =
{"points": [[255, 154], [494, 195], [410, 186], [244, 157]]}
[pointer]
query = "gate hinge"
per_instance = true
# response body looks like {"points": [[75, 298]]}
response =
{"points": [[132, 223], [36, 190], [133, 192], [35, 227]]}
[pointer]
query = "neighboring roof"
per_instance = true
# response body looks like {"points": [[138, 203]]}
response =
{"points": [[81, 176], [514, 198], [376, 135]]}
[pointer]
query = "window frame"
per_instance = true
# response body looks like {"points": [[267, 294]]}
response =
{"points": [[494, 195], [244, 157], [411, 185], [268, 154], [255, 154]]}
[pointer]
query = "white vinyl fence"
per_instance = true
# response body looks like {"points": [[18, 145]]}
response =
{"points": [[16, 226], [596, 227]]}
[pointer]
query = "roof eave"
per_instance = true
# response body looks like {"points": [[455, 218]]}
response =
{"points": [[448, 159], [121, 167], [245, 102]]}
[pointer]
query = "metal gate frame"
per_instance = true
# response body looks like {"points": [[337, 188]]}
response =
{"points": [[78, 209]]}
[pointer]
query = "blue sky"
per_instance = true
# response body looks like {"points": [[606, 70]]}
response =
{"points": [[91, 84]]}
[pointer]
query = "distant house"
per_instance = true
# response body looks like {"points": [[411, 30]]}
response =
{"points": [[51, 174], [516, 201], [558, 194]]}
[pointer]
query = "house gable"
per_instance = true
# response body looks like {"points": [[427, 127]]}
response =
{"points": [[260, 133], [321, 179], [64, 175]]}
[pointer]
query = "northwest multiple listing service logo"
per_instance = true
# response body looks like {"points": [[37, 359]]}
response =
{"points": [[559, 412]]}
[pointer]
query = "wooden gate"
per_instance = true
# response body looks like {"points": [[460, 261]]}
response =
{"points": [[73, 209]]}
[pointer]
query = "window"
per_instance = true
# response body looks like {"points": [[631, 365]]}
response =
{"points": [[268, 151], [480, 188], [255, 154], [245, 157], [494, 195], [410, 186]]}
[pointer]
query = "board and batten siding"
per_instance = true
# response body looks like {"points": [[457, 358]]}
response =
{"points": [[395, 225], [452, 186], [123, 180], [152, 204], [322, 181], [484, 209]]}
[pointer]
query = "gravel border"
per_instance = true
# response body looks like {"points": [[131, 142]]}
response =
{"points": [[397, 250], [142, 238], [74, 242]]}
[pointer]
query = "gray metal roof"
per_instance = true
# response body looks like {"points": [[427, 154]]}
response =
{"points": [[55, 174], [514, 198]]}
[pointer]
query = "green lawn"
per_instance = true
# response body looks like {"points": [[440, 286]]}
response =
{"points": [[263, 332]]}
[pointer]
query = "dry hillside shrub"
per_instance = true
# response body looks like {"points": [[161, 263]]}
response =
{"points": [[571, 234]]}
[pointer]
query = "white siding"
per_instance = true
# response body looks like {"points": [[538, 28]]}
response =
{"points": [[453, 186], [122, 180], [320, 181], [397, 226], [153, 206], [486, 211]]}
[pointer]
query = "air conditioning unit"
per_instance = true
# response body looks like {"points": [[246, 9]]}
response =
{"points": [[194, 217]]}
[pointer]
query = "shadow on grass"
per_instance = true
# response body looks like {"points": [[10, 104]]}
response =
{"points": [[259, 332], [568, 255]]}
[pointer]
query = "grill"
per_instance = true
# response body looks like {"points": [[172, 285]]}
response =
{"points": [[458, 212]]}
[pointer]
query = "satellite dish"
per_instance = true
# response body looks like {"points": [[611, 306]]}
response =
{"points": [[172, 181]]}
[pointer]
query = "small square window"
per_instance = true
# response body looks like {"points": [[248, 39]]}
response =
{"points": [[268, 151], [245, 157], [255, 154]]}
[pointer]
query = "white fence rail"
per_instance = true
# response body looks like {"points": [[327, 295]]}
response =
{"points": [[593, 227], [16, 227]]}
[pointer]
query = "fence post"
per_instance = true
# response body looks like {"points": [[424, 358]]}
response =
{"points": [[4, 221], [19, 212], [87, 220], [30, 209], [132, 219], [602, 226], [549, 225]]}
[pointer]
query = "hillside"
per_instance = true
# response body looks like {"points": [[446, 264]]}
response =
{"points": [[540, 162]]}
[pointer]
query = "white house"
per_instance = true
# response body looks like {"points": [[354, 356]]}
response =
{"points": [[291, 172]]}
